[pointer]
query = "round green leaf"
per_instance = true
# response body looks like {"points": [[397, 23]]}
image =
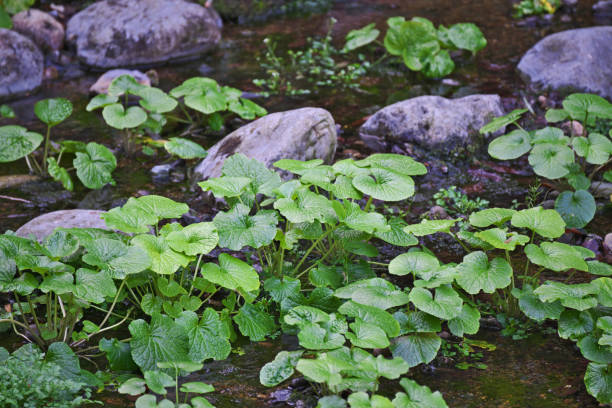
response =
{"points": [[547, 223], [385, 185], [416, 348], [361, 37], [556, 256], [477, 274], [429, 227], [393, 162], [237, 228], [164, 260], [119, 118], [501, 239], [95, 166], [596, 149], [510, 146], [468, 321], [373, 315], [367, 335], [576, 207], [232, 273], [185, 148], [16, 142], [598, 381], [208, 335], [467, 36], [491, 216], [439, 65], [195, 239], [417, 263], [53, 111], [533, 307], [156, 100], [551, 160], [446, 304]]}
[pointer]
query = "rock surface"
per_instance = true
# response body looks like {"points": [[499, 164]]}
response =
{"points": [[432, 123], [40, 27], [301, 134], [602, 12], [574, 60], [21, 64], [102, 84], [257, 10], [45, 224], [114, 33]]}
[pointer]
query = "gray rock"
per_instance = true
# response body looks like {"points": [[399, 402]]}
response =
{"points": [[102, 83], [301, 134], [602, 12], [574, 60], [607, 247], [435, 124], [40, 27], [114, 33], [21, 64], [45, 224], [258, 10]]}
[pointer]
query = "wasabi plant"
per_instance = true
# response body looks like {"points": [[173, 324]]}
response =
{"points": [[570, 162], [535, 7], [93, 162], [421, 46]]}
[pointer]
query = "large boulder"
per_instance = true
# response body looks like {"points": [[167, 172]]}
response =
{"points": [[45, 224], [575, 60], [432, 123], [301, 134], [21, 64], [40, 27], [119, 33]]}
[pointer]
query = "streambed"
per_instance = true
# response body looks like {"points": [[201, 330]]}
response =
{"points": [[541, 371]]}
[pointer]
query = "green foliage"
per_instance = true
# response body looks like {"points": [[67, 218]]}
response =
{"points": [[456, 202], [531, 7], [567, 161], [31, 379]]}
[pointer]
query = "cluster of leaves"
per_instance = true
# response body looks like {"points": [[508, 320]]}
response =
{"points": [[32, 379], [535, 7], [563, 159], [316, 66], [209, 101], [94, 163], [10, 7], [420, 45], [456, 202]]}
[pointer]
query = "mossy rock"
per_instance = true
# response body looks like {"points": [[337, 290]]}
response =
{"points": [[245, 11]]}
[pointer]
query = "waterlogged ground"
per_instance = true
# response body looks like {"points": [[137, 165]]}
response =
{"points": [[542, 371]]}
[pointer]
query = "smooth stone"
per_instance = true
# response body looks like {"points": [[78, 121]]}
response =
{"points": [[21, 64], [40, 27], [16, 180], [571, 61], [607, 247], [301, 134], [45, 224], [121, 33], [602, 11], [601, 189], [433, 123], [102, 84]]}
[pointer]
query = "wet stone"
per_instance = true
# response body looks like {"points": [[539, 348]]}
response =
{"points": [[44, 225], [40, 27], [21, 65]]}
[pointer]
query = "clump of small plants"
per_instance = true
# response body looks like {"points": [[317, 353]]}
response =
{"points": [[535, 7], [456, 202]]}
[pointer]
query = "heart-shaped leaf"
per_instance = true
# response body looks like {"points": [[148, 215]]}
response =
{"points": [[551, 160], [254, 323], [385, 185], [491, 216], [577, 208], [164, 260], [467, 36], [238, 229], [547, 223], [446, 304], [578, 296], [533, 307], [16, 142], [95, 166], [416, 348], [361, 37], [501, 239], [208, 336], [116, 116], [556, 256], [280, 369], [195, 239], [185, 148], [232, 273], [53, 111], [477, 274]]}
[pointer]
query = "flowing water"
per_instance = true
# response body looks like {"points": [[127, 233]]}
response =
{"points": [[541, 371]]}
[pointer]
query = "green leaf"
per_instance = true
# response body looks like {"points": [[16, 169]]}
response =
{"points": [[414, 262], [385, 185], [238, 165], [129, 220], [583, 107], [417, 322], [306, 207], [556, 256], [355, 218], [120, 359], [491, 216], [550, 135], [551, 160], [396, 235], [60, 353], [467, 36], [5, 22], [280, 369], [59, 173], [326, 335], [598, 381], [210, 102], [208, 337], [100, 101], [446, 305], [194, 86], [418, 396], [367, 335], [61, 244], [196, 387], [157, 381], [124, 84], [53, 111], [439, 65], [117, 116], [155, 100], [593, 351], [331, 401], [164, 260], [468, 321], [362, 400], [477, 274], [599, 268], [577, 208], [429, 227], [499, 122], [195, 239], [501, 239], [396, 163], [232, 273], [16, 142], [147, 401], [226, 187], [95, 166], [510, 146], [596, 149], [156, 206], [416, 348], [604, 291], [575, 324], [361, 37], [254, 323], [556, 115], [373, 315], [94, 286], [238, 229], [378, 296], [133, 386], [578, 296], [547, 223], [533, 307], [201, 402], [162, 340], [185, 148]]}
